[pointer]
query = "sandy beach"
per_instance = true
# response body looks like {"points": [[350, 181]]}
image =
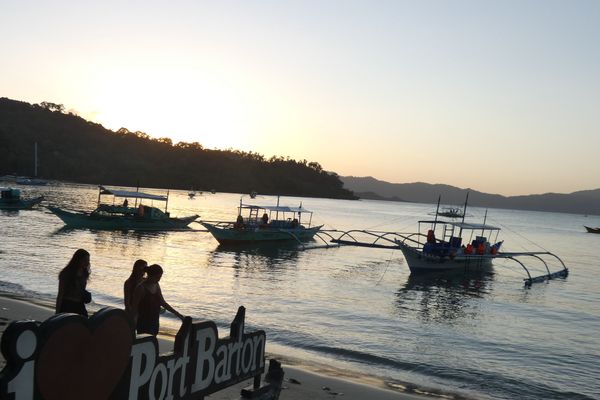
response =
{"points": [[299, 383]]}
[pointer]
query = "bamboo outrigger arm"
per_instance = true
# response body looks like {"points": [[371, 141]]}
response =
{"points": [[536, 254], [305, 247], [379, 236]]}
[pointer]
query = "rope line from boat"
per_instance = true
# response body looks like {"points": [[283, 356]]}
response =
{"points": [[520, 235], [394, 220], [386, 267]]}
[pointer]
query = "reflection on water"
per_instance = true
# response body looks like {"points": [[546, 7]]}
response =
{"points": [[276, 251], [264, 258], [10, 213], [475, 283], [444, 297]]}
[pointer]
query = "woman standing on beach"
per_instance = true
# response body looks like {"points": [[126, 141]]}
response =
{"points": [[147, 300], [136, 277], [72, 281]]}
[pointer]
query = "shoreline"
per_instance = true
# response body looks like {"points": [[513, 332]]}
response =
{"points": [[301, 379]]}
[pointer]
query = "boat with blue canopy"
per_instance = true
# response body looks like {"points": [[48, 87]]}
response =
{"points": [[123, 215], [263, 223], [448, 245]]}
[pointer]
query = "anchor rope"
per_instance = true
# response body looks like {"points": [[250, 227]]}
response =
{"points": [[386, 268], [394, 220], [518, 234]]}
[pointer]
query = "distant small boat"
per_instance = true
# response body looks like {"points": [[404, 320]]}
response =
{"points": [[8, 178], [10, 199], [592, 230], [264, 224], [140, 217], [31, 181], [449, 212]]}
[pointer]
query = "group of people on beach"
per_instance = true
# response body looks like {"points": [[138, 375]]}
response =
{"points": [[141, 292]]}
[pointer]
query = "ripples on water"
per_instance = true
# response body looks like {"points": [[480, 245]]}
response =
{"points": [[481, 335]]}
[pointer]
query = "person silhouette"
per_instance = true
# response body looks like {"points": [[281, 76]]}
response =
{"points": [[136, 277], [72, 281], [147, 301]]}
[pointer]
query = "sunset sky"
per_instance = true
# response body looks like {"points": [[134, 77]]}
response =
{"points": [[499, 96]]}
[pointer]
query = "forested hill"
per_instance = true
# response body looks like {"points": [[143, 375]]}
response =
{"points": [[73, 149]]}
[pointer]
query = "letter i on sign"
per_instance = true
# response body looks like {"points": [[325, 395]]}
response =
{"points": [[22, 347]]}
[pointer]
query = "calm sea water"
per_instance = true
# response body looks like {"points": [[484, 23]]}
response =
{"points": [[481, 336]]}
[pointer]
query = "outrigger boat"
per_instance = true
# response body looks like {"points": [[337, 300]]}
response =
{"points": [[10, 199], [441, 248], [264, 224], [140, 217]]}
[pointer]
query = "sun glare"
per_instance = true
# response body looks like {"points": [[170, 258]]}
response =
{"points": [[183, 110]]}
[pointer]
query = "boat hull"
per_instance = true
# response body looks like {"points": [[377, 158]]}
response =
{"points": [[592, 230], [418, 262], [20, 204], [260, 235], [109, 222]]}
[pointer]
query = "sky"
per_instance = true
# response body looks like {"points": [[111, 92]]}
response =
{"points": [[498, 96]]}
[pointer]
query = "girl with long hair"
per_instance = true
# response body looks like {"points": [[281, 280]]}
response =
{"points": [[72, 281], [136, 277]]}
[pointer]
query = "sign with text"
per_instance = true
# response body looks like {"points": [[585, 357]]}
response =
{"points": [[72, 357]]}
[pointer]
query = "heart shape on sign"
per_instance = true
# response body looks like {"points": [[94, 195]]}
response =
{"points": [[81, 358]]}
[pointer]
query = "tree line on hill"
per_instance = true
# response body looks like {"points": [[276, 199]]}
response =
{"points": [[73, 149]]}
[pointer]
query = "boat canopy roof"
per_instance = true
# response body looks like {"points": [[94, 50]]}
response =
{"points": [[277, 208], [131, 194], [464, 225]]}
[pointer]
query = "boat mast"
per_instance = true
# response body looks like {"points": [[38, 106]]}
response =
{"points": [[436, 211], [463, 216], [484, 219], [137, 189], [277, 212], [35, 160]]}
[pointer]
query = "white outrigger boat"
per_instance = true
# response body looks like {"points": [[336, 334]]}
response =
{"points": [[261, 224], [438, 246], [123, 216]]}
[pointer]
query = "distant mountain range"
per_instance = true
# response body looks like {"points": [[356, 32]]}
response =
{"points": [[581, 202]]}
